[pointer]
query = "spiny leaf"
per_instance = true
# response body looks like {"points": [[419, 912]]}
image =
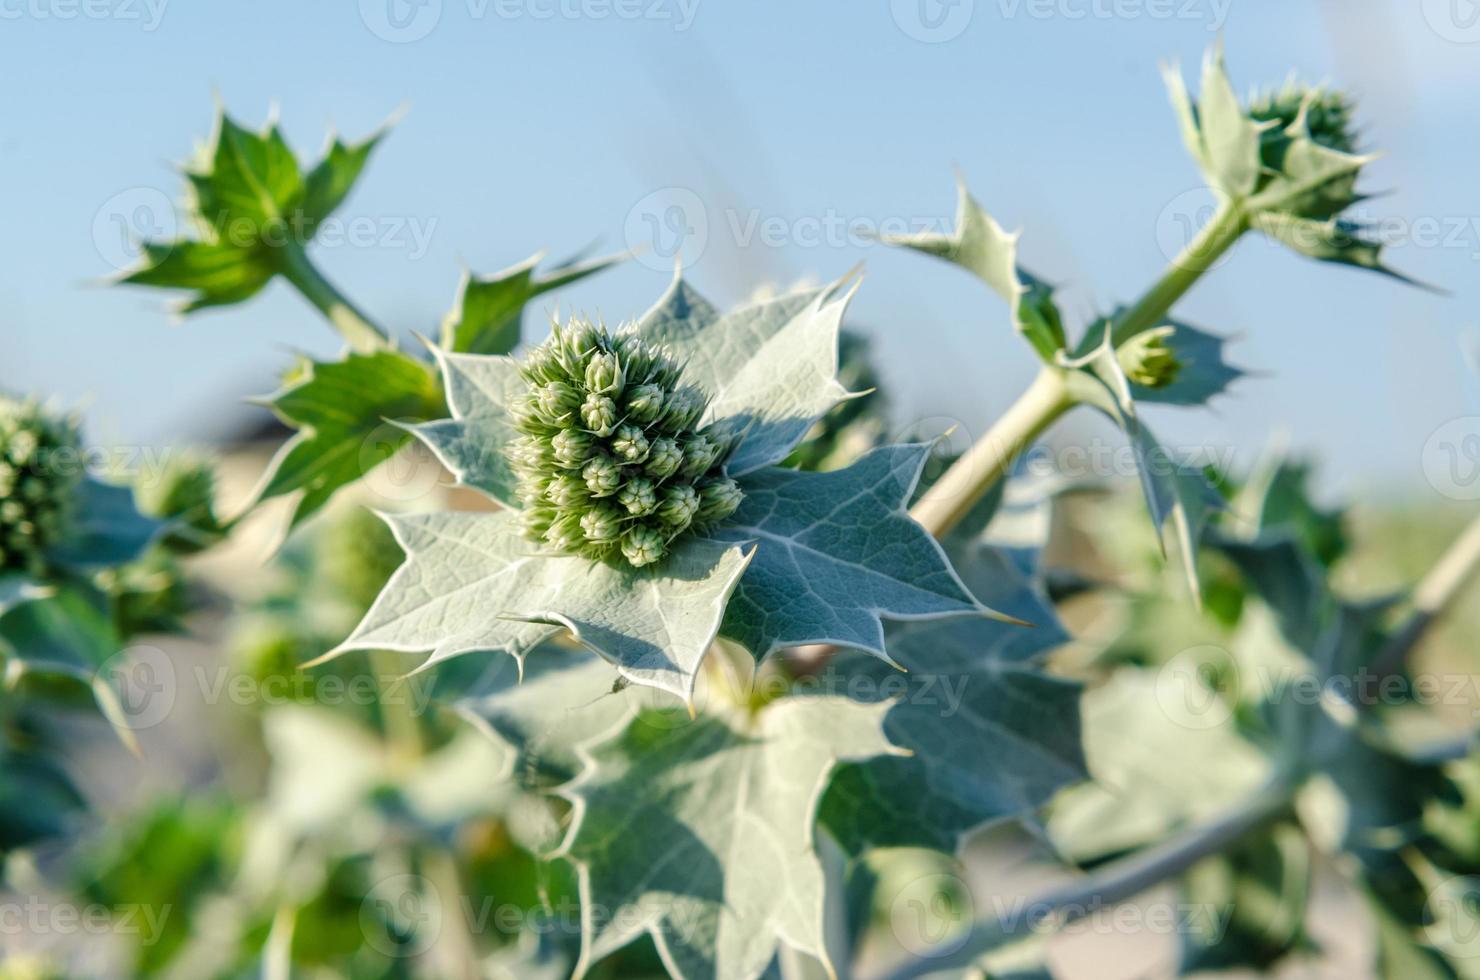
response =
{"points": [[473, 582], [981, 247], [991, 735], [770, 369], [249, 200], [473, 443], [1331, 240], [340, 410], [835, 552], [703, 835], [487, 317]]}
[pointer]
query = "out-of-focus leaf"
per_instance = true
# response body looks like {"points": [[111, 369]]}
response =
{"points": [[981, 247], [702, 835], [341, 411]]}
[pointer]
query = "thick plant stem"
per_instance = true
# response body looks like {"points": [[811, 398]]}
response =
{"points": [[1112, 883], [1211, 241], [983, 465], [355, 327], [1432, 598]]}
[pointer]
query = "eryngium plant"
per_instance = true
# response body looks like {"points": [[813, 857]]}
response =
{"points": [[38, 495], [613, 463]]}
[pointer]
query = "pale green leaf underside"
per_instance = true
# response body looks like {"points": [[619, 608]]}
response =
{"points": [[703, 835], [474, 582], [835, 552], [980, 246], [769, 369], [340, 410], [473, 442]]}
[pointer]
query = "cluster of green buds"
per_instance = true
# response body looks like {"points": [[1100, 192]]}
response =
{"points": [[40, 471], [612, 462], [1328, 113], [1147, 360]]}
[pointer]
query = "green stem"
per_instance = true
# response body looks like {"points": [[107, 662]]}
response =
{"points": [[1433, 597], [980, 468], [402, 727], [1115, 882], [355, 327], [1212, 240]]}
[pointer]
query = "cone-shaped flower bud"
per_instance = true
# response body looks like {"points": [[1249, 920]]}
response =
{"points": [[609, 463], [680, 504], [602, 524], [599, 413], [1328, 113], [644, 403], [603, 476], [664, 458], [630, 445], [41, 471], [1147, 360], [604, 374], [643, 546], [639, 497], [718, 499]]}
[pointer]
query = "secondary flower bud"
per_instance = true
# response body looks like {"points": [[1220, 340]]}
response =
{"points": [[718, 499], [645, 403], [643, 546], [664, 458], [639, 497], [40, 469], [630, 445], [601, 525], [604, 374], [571, 447], [603, 476], [609, 463], [680, 504], [599, 413], [1147, 360]]}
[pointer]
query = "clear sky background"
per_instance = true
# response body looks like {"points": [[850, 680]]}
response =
{"points": [[535, 124]]}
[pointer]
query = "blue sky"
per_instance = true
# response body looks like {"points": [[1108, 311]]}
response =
{"points": [[560, 124]]}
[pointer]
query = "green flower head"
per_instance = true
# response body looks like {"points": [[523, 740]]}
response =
{"points": [[40, 472], [611, 462], [1328, 113]]}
